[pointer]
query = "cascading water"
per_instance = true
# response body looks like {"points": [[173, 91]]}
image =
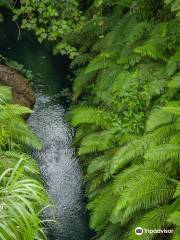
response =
{"points": [[59, 168]]}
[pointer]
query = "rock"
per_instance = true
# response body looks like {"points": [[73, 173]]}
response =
{"points": [[21, 89]]}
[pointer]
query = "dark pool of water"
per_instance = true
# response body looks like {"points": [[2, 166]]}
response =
{"points": [[59, 168]]}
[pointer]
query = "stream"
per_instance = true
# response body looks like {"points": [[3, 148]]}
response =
{"points": [[59, 167]]}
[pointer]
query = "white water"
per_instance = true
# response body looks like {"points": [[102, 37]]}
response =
{"points": [[60, 169]]}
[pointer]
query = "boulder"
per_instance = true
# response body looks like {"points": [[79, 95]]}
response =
{"points": [[21, 89]]}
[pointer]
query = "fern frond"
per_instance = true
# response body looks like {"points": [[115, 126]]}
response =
{"points": [[98, 164], [154, 219], [164, 152], [94, 184], [9, 110], [152, 48], [90, 115], [113, 232], [177, 192], [165, 156], [154, 188], [175, 6], [101, 164], [158, 118], [80, 82], [5, 94], [96, 142], [127, 153], [81, 60], [120, 79], [101, 207], [175, 81], [172, 64], [174, 218], [102, 61], [172, 107]]}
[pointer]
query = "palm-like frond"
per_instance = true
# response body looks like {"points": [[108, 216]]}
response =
{"points": [[90, 115], [154, 219], [5, 94], [13, 128], [142, 193], [96, 142], [101, 207]]}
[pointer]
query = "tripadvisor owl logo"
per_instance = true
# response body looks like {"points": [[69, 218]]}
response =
{"points": [[139, 231]]}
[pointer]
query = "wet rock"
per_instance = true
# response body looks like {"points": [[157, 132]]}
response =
{"points": [[21, 89]]}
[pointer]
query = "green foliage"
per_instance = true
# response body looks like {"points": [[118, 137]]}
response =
{"points": [[52, 21], [128, 116], [96, 142], [13, 128], [20, 209], [89, 115], [22, 195], [126, 61]]}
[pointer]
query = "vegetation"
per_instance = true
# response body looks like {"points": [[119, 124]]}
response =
{"points": [[126, 112], [125, 108], [22, 195]]}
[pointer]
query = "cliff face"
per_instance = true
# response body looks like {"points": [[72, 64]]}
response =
{"points": [[21, 89]]}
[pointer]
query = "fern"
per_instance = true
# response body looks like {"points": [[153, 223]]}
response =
{"points": [[164, 152], [96, 142], [90, 115], [172, 107], [158, 118], [175, 81], [153, 189], [152, 49], [102, 61], [174, 6], [154, 219], [101, 207], [113, 232], [80, 83], [81, 60], [128, 136], [5, 94]]}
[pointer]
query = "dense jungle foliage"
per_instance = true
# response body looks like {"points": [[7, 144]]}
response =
{"points": [[126, 111], [125, 108], [22, 195]]}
